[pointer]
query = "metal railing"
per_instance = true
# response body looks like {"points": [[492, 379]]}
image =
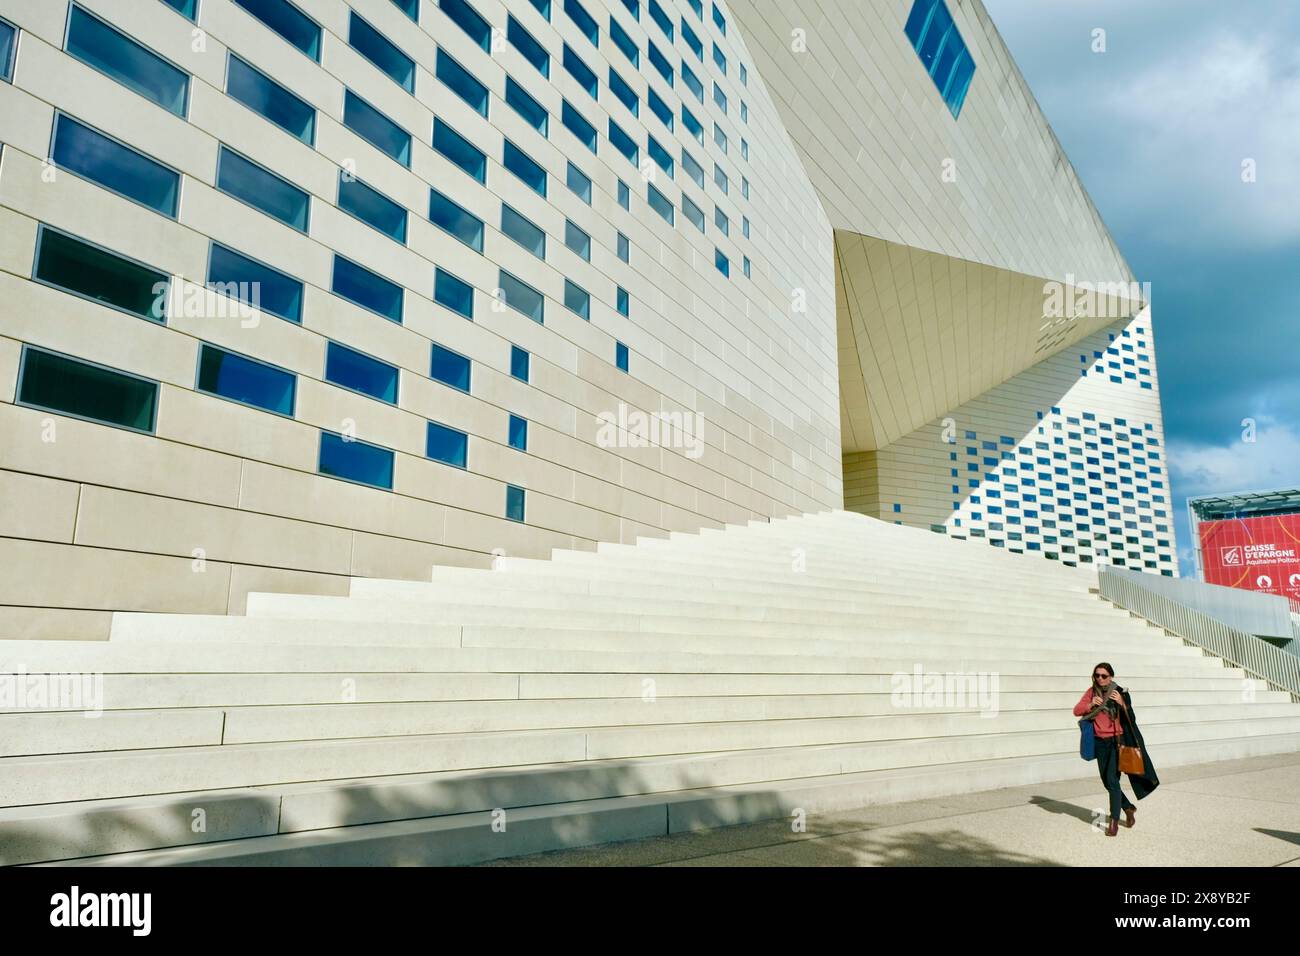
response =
{"points": [[1257, 657]]}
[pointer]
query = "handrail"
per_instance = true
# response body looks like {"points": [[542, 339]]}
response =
{"points": [[1254, 655]]}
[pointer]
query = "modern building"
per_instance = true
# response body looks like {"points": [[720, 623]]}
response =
{"points": [[300, 291]]}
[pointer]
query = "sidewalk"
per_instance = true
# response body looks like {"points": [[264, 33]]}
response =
{"points": [[1234, 813]]}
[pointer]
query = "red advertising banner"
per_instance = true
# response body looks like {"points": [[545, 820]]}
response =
{"points": [[1255, 554]]}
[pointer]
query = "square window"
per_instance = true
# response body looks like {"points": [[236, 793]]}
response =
{"points": [[579, 183], [447, 445]]}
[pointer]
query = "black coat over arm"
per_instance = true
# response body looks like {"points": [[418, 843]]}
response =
{"points": [[1144, 784]]}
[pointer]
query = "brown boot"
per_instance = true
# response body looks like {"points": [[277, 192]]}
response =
{"points": [[1130, 815], [1113, 828]]}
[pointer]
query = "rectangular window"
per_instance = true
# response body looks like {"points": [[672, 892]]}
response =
{"points": [[659, 155], [60, 383], [719, 20], [624, 247], [624, 42], [943, 53], [693, 169], [576, 299], [458, 149], [577, 240], [527, 107], [76, 266], [245, 380], [721, 221], [698, 7], [8, 40], [661, 109], [584, 21], [722, 263], [186, 8], [660, 63], [372, 207], [720, 138], [514, 503], [256, 285], [447, 445], [625, 93], [719, 98], [634, 8], [720, 179], [292, 24], [522, 297], [720, 59], [744, 226], [270, 100], [518, 433], [747, 267], [522, 231], [382, 52], [579, 183], [693, 42], [744, 75], [693, 125], [578, 126], [117, 56], [692, 82], [453, 293], [455, 220], [366, 289], [519, 362], [744, 148], [543, 7], [527, 44], [263, 190], [624, 195], [119, 169], [523, 166], [450, 368], [410, 7], [458, 79], [352, 370], [581, 72], [621, 356], [354, 460], [624, 143], [623, 301], [659, 203], [468, 19], [376, 128], [661, 18]]}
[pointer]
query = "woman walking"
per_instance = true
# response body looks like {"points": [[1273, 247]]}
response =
{"points": [[1110, 708]]}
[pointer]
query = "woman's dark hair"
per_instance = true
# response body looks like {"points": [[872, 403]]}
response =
{"points": [[1109, 670]]}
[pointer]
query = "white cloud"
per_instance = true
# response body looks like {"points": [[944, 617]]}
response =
{"points": [[1271, 461]]}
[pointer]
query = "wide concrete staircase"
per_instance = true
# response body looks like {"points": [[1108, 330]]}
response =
{"points": [[696, 681]]}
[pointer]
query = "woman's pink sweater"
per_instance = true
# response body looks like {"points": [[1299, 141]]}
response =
{"points": [[1102, 724]]}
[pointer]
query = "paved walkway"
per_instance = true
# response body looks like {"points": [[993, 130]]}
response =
{"points": [[1234, 813]]}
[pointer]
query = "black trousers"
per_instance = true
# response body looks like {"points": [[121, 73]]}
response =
{"points": [[1108, 767]]}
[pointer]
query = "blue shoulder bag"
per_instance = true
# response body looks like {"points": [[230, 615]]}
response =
{"points": [[1087, 740]]}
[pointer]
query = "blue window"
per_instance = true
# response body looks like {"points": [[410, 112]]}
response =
{"points": [[8, 36], [519, 362], [624, 42], [85, 270], [721, 221], [720, 137], [720, 59], [514, 503], [692, 82], [447, 445], [257, 285], [455, 220], [453, 293], [693, 125], [523, 166], [659, 155], [527, 107], [719, 20], [382, 52], [450, 368], [523, 231], [527, 44], [659, 203], [119, 169], [288, 21], [459, 150], [578, 126], [698, 7], [270, 100], [468, 19], [722, 263], [366, 289], [720, 178], [522, 297], [245, 380], [623, 302], [581, 72], [661, 109], [120, 58], [361, 373], [693, 42], [186, 8], [662, 19], [372, 207], [577, 240], [63, 384], [624, 247], [634, 8], [543, 7], [625, 93], [584, 20], [624, 143], [460, 82], [410, 7], [660, 63], [579, 182], [624, 195], [693, 213], [577, 299], [376, 128], [621, 356], [719, 98], [263, 190], [518, 433], [942, 51], [354, 460]]}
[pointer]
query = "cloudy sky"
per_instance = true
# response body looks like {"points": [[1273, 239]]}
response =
{"points": [[1158, 127]]}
